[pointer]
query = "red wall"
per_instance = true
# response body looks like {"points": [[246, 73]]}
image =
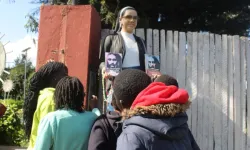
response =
{"points": [[70, 34]]}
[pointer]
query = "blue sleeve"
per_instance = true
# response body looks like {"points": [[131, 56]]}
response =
{"points": [[96, 111], [44, 137], [129, 141]]}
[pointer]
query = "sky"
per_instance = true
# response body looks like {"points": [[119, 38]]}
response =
{"points": [[12, 21]]}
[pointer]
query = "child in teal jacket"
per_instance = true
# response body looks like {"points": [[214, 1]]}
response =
{"points": [[67, 128]]}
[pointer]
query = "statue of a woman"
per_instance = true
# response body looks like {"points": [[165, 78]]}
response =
{"points": [[125, 42]]}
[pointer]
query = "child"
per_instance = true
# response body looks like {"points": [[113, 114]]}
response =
{"points": [[108, 127], [67, 128], [157, 119], [39, 100]]}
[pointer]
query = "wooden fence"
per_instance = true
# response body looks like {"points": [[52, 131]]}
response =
{"points": [[214, 69]]}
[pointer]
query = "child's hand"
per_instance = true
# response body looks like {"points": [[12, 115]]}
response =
{"points": [[105, 74], [154, 77], [94, 102], [50, 60]]}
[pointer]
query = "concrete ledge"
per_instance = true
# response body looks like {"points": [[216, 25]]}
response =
{"points": [[12, 148]]}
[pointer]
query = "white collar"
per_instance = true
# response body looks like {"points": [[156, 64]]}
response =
{"points": [[127, 34]]}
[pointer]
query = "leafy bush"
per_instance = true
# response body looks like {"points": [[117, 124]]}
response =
{"points": [[19, 103], [11, 126]]}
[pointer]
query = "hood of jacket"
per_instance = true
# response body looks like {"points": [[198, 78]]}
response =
{"points": [[170, 128]]}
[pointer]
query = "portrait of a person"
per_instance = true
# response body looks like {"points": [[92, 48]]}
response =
{"points": [[113, 60], [153, 63]]}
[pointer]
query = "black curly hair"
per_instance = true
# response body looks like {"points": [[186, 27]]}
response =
{"points": [[127, 85], [167, 80], [69, 94], [47, 76]]}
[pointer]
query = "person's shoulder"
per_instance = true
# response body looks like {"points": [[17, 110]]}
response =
{"points": [[137, 37], [110, 36], [100, 120], [89, 114], [136, 130], [50, 117], [129, 138], [45, 94]]}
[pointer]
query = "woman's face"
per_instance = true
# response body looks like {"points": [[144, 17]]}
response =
{"points": [[129, 21]]}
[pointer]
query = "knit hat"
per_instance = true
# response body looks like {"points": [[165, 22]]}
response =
{"points": [[127, 85], [159, 93]]}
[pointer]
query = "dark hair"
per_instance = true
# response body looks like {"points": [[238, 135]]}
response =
{"points": [[121, 14], [118, 59], [167, 80], [47, 76], [69, 94], [113, 102], [127, 85]]}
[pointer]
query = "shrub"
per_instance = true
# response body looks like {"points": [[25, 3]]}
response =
{"points": [[19, 103], [11, 126]]}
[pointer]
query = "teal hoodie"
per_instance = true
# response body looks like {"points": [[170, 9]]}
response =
{"points": [[65, 130]]}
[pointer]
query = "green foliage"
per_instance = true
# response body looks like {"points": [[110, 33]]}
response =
{"points": [[11, 127], [17, 76], [18, 103], [195, 15], [32, 24]]}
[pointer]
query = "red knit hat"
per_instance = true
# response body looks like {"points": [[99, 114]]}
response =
{"points": [[159, 93]]}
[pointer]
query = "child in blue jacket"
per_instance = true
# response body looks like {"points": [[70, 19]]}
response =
{"points": [[67, 128]]}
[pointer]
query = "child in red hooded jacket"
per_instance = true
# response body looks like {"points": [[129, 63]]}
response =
{"points": [[157, 119]]}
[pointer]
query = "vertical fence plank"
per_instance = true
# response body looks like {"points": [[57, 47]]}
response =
{"points": [[243, 90], [200, 89], [169, 47], [181, 68], [194, 84], [206, 92], [224, 90], [248, 93], [189, 73], [211, 91], [218, 76], [163, 55], [176, 52], [156, 42], [149, 41], [140, 33], [237, 103], [230, 95]]}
